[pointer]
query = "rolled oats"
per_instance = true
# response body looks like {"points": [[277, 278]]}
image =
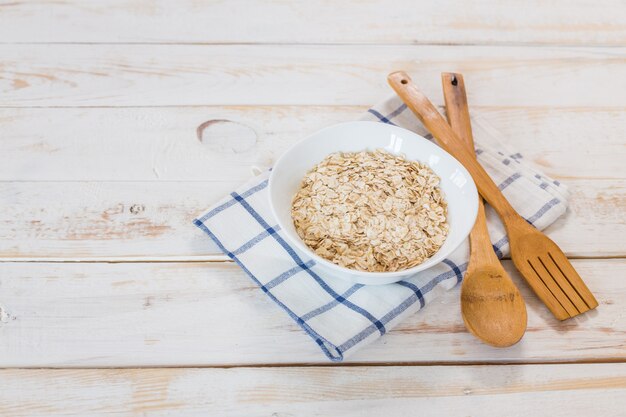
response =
{"points": [[371, 211]]}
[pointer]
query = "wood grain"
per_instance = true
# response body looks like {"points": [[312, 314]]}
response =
{"points": [[165, 174], [516, 391], [126, 221], [578, 22], [174, 75], [197, 314], [214, 143]]}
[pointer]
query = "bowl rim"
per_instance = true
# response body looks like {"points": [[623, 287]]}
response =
{"points": [[435, 259]]}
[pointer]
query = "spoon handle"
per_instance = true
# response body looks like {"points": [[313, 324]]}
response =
{"points": [[432, 119], [457, 108], [457, 112]]}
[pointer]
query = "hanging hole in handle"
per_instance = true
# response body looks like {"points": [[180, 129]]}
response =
{"points": [[454, 80], [404, 81]]}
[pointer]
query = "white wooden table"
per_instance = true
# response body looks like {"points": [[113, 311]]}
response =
{"points": [[122, 120]]}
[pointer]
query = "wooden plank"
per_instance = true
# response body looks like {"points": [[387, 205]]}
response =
{"points": [[197, 314], [125, 221], [451, 21], [219, 143], [158, 75], [489, 391], [101, 217]]}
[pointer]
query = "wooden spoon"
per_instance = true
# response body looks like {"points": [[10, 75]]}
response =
{"points": [[491, 305]]}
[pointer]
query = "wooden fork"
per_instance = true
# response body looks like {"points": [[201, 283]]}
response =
{"points": [[540, 261]]}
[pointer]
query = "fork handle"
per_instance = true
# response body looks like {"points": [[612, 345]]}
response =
{"points": [[437, 125]]}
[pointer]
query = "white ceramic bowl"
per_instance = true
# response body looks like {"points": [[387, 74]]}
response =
{"points": [[456, 183]]}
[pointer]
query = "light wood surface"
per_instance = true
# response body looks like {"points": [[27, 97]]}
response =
{"points": [[490, 391], [70, 144], [183, 75], [72, 314], [189, 21], [120, 121], [158, 158]]}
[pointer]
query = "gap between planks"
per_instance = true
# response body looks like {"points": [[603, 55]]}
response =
{"points": [[269, 106], [347, 44], [333, 365], [205, 259]]}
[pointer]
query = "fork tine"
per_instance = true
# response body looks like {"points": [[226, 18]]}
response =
{"points": [[553, 287], [561, 280], [528, 271], [566, 268]]}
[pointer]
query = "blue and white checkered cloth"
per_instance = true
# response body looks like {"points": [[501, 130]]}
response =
{"points": [[343, 317]]}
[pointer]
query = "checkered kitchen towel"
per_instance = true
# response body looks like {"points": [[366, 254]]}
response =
{"points": [[343, 317]]}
